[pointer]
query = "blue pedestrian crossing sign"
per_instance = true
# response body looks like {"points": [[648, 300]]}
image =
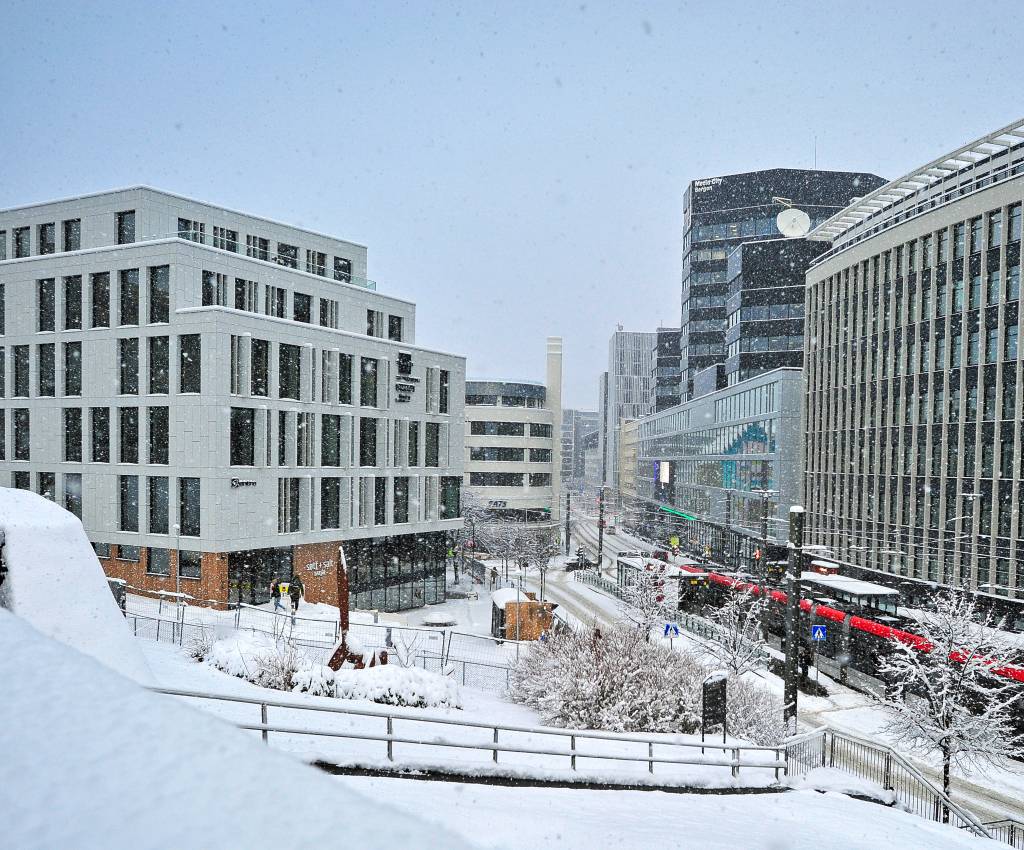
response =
{"points": [[818, 632], [673, 628]]}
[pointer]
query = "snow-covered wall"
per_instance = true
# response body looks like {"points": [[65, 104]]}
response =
{"points": [[55, 582]]}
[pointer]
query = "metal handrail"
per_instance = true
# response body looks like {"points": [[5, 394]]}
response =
{"points": [[732, 752], [822, 733]]}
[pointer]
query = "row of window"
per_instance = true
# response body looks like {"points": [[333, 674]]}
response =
{"points": [[127, 368], [509, 479], [477, 400], [781, 342], [503, 453], [224, 238], [363, 501], [508, 429]]}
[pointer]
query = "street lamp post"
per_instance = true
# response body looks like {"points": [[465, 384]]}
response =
{"points": [[792, 664]]}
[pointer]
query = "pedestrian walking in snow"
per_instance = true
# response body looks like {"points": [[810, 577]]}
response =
{"points": [[275, 594], [295, 591]]}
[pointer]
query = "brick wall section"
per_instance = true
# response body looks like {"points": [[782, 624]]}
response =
{"points": [[316, 565], [212, 585]]}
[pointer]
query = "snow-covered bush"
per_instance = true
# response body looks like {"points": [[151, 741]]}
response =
{"points": [[282, 666], [200, 645], [753, 712], [615, 681]]}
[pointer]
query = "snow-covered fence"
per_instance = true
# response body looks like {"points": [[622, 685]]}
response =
{"points": [[1009, 831], [377, 738], [882, 765]]}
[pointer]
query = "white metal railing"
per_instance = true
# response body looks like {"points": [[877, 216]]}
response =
{"points": [[733, 756]]}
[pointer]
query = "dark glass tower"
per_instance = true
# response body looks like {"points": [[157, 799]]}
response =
{"points": [[720, 213]]}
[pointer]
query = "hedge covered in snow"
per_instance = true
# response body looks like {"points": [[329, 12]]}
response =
{"points": [[282, 666], [617, 681]]}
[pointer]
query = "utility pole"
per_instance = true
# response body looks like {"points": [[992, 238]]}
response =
{"points": [[727, 535], [795, 567], [600, 528], [567, 494]]}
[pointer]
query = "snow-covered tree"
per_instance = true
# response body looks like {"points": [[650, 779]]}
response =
{"points": [[740, 641], [643, 597], [540, 546], [948, 699]]}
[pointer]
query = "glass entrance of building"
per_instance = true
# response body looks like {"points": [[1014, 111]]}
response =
{"points": [[250, 573]]}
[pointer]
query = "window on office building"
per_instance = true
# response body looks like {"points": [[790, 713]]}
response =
{"points": [[432, 444], [47, 485], [128, 292], [190, 564], [367, 441], [328, 313], [395, 328], [46, 354], [414, 444], [304, 439], [22, 237], [128, 434], [128, 502], [442, 388], [72, 368], [188, 506], [73, 493], [302, 307], [194, 231], [343, 269], [125, 227], [99, 426], [287, 255], [344, 379], [190, 363], [159, 294], [330, 502], [274, 302], [99, 286], [368, 382], [73, 434], [451, 488], [159, 504], [215, 289], [159, 365], [73, 302], [258, 247], [225, 239], [21, 371], [316, 263], [22, 433], [47, 235], [128, 366], [72, 229], [374, 323], [158, 561], [260, 366], [288, 371], [330, 440], [247, 295], [159, 435], [47, 306], [287, 505], [401, 499]]}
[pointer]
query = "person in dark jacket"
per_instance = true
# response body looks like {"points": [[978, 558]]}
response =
{"points": [[295, 591], [275, 593]]}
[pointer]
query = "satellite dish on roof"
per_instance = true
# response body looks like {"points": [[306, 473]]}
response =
{"points": [[793, 222]]}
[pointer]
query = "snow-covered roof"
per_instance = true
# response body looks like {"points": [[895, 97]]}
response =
{"points": [[56, 583], [852, 586], [92, 759], [501, 598]]}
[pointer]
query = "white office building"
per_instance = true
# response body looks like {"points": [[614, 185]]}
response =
{"points": [[227, 398], [513, 458]]}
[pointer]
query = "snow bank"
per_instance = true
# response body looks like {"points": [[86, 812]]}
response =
{"points": [[91, 760], [56, 583], [832, 779], [257, 658]]}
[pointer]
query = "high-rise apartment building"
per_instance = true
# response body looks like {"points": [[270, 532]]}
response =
{"points": [[222, 398], [576, 424], [914, 433], [665, 371], [720, 213]]}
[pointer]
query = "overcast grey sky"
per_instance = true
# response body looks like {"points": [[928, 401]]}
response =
{"points": [[516, 169]]}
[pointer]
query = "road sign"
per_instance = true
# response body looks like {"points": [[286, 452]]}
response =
{"points": [[818, 632], [671, 627]]}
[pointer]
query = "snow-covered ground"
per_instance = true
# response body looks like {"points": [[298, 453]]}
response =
{"points": [[573, 819], [93, 760]]}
